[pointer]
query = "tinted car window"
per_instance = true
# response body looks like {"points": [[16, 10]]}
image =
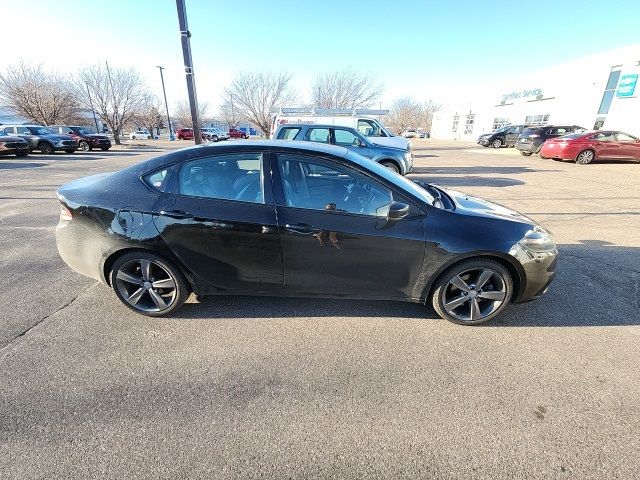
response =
{"points": [[8, 130], [288, 133], [225, 177], [317, 184], [604, 137], [158, 180], [345, 138], [319, 135], [23, 130]]}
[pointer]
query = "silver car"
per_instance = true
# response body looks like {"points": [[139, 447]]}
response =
{"points": [[397, 159]]}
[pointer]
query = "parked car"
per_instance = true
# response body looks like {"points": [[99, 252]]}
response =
{"points": [[184, 134], [585, 147], [504, 136], [531, 139], [86, 139], [235, 133], [231, 218], [424, 135], [396, 159], [410, 133], [13, 145], [213, 134], [41, 138], [140, 134]]}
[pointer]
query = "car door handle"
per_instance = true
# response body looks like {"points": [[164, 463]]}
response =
{"points": [[300, 229], [176, 214]]}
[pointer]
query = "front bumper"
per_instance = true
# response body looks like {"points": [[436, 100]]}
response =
{"points": [[22, 149], [66, 146], [539, 271], [102, 143], [484, 141]]}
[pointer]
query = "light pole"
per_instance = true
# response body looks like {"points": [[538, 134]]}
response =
{"points": [[166, 105], [185, 35]]}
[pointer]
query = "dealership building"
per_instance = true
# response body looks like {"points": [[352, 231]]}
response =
{"points": [[597, 92]]}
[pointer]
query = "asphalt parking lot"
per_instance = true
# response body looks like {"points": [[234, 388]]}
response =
{"points": [[283, 388]]}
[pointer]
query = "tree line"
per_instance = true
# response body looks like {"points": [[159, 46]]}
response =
{"points": [[120, 97]]}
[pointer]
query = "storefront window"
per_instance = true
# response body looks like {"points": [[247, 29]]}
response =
{"points": [[538, 120], [500, 122]]}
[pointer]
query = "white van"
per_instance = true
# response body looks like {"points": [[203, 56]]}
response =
{"points": [[362, 120]]}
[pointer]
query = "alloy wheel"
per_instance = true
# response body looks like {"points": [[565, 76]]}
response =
{"points": [[474, 294], [83, 146], [146, 285], [497, 143], [585, 157]]}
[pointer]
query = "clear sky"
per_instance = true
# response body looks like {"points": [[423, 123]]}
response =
{"points": [[426, 49]]}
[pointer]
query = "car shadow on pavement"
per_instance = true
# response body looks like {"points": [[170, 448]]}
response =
{"points": [[16, 165], [597, 285], [466, 181]]}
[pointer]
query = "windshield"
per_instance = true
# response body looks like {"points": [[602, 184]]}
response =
{"points": [[39, 130], [502, 129], [402, 182]]}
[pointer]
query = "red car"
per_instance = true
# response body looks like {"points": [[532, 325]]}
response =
{"points": [[584, 147], [184, 134], [235, 133]]}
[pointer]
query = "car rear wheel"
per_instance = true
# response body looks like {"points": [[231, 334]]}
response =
{"points": [[390, 165], [526, 154], [214, 138], [104, 148], [585, 157], [148, 284], [244, 137], [84, 146], [497, 143], [45, 148], [70, 150], [472, 292]]}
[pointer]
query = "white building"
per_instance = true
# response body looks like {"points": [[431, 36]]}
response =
{"points": [[599, 91]]}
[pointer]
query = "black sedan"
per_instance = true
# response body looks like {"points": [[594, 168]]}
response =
{"points": [[297, 219], [9, 145]]}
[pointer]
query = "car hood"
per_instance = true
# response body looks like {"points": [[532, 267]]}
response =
{"points": [[54, 137], [478, 207], [395, 142]]}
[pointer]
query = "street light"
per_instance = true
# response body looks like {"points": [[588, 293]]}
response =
{"points": [[166, 105]]}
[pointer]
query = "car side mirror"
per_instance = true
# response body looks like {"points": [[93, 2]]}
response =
{"points": [[360, 143], [397, 211]]}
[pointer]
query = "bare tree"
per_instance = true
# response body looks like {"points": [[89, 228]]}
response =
{"points": [[345, 89], [406, 113], [116, 95], [256, 94], [229, 113], [149, 116], [182, 113], [44, 97]]}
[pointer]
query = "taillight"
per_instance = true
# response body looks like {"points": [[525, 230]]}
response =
{"points": [[65, 213]]}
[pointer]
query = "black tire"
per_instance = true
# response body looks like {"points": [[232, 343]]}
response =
{"points": [[214, 138], [456, 310], [173, 294], [497, 143], [71, 150], [46, 148], [391, 165], [526, 154], [84, 146], [585, 157], [21, 155], [244, 137], [104, 149]]}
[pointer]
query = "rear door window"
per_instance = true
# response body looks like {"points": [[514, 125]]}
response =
{"points": [[345, 138], [623, 137], [288, 133], [319, 135]]}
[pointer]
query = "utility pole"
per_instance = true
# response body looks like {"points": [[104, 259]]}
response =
{"points": [[166, 105], [185, 35], [95, 120]]}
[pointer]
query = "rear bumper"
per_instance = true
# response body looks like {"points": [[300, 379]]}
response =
{"points": [[527, 147], [559, 153]]}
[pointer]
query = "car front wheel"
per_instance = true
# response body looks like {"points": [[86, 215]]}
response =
{"points": [[390, 165], [472, 292], [84, 146], [148, 284], [45, 148], [497, 143]]}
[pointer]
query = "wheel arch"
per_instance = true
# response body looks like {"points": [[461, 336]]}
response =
{"points": [[516, 271], [107, 264], [391, 160]]}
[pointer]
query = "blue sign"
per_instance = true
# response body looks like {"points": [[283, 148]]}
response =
{"points": [[627, 85]]}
